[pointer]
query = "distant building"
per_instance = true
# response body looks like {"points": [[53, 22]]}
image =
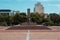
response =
{"points": [[38, 8], [45, 15], [14, 12], [7, 11]]}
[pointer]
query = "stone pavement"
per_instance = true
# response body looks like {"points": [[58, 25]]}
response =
{"points": [[45, 36], [21, 35]]}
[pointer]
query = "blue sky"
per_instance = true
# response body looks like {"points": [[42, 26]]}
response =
{"points": [[50, 6]]}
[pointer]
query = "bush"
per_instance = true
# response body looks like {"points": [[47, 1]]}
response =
{"points": [[3, 24], [48, 22]]}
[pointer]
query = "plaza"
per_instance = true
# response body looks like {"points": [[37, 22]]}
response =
{"points": [[53, 34], [21, 35]]}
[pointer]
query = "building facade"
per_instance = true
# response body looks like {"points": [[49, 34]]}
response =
{"points": [[38, 8], [7, 11], [45, 15]]}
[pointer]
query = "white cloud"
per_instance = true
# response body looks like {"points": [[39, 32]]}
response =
{"points": [[58, 5], [47, 0], [42, 0], [57, 0]]}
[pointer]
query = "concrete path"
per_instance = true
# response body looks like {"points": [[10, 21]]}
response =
{"points": [[45, 35], [33, 35], [12, 35]]}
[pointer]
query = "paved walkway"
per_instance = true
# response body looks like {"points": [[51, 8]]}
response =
{"points": [[21, 35], [45, 36]]}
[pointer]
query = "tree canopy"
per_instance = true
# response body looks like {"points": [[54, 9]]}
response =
{"points": [[18, 18]]}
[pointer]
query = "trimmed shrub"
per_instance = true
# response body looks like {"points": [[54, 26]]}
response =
{"points": [[3, 24]]}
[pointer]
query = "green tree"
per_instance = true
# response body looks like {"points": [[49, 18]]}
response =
{"points": [[36, 18], [55, 18], [23, 14], [4, 19], [20, 18], [17, 18], [23, 17]]}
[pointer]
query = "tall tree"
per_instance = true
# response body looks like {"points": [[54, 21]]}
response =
{"points": [[36, 18], [54, 17]]}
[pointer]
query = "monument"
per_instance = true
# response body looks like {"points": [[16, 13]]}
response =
{"points": [[28, 25], [28, 13], [29, 18]]}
